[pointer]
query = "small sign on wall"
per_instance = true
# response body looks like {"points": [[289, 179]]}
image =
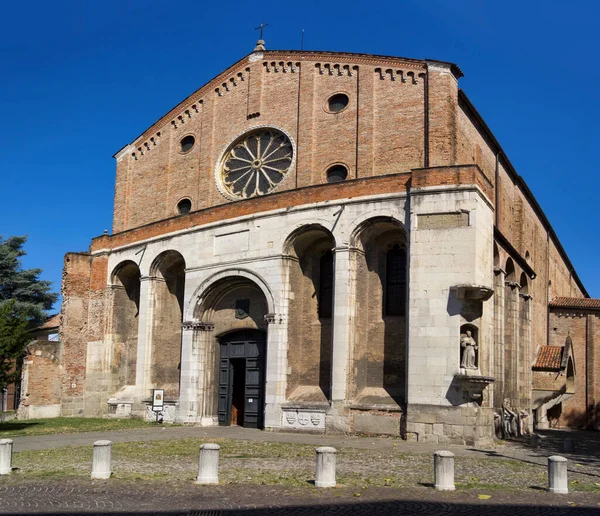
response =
{"points": [[158, 400]]}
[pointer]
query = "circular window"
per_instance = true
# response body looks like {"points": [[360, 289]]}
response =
{"points": [[337, 102], [184, 206], [256, 163], [336, 174], [187, 142]]}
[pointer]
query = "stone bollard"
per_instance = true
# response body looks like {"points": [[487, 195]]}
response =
{"points": [[443, 470], [325, 474], [208, 464], [569, 444], [535, 440], [557, 475], [102, 456], [6, 446]]}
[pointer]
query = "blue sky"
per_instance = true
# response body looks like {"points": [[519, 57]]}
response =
{"points": [[81, 79]]}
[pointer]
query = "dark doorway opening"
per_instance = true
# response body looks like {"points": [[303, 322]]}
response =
{"points": [[238, 390], [241, 379]]}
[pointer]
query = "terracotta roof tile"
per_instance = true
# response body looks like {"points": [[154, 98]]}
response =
{"points": [[549, 358], [52, 322], [576, 302]]}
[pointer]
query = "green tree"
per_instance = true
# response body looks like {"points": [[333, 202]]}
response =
{"points": [[31, 296], [14, 336]]}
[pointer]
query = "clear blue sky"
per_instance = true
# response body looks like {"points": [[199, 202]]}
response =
{"points": [[81, 79]]}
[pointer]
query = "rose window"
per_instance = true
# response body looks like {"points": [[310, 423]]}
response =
{"points": [[256, 163]]}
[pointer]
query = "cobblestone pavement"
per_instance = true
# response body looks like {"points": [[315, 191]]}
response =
{"points": [[163, 499]]}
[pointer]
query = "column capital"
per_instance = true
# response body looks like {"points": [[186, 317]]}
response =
{"points": [[274, 319]]}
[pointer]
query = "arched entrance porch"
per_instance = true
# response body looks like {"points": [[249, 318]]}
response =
{"points": [[225, 343]]}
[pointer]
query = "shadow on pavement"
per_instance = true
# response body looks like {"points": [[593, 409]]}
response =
{"points": [[391, 507]]}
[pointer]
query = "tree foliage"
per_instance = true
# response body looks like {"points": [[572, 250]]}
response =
{"points": [[31, 296], [14, 336]]}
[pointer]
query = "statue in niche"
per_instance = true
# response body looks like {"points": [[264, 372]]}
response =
{"points": [[469, 351]]}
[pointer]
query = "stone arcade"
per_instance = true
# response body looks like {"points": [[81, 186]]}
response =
{"points": [[318, 241]]}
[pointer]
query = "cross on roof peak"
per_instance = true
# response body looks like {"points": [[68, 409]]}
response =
{"points": [[261, 27]]}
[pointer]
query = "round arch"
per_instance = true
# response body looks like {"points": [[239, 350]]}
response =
{"points": [[165, 260], [124, 268], [207, 288], [302, 229], [362, 224]]}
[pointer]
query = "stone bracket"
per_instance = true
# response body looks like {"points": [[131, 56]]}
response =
{"points": [[473, 385], [471, 291]]}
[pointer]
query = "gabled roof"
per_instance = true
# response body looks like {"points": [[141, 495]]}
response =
{"points": [[575, 302], [280, 54], [51, 323], [549, 357]]}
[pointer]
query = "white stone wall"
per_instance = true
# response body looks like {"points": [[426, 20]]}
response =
{"points": [[252, 247], [445, 252], [440, 256]]}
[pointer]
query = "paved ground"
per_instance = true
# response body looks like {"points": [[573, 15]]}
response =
{"points": [[166, 498], [587, 449], [102, 498]]}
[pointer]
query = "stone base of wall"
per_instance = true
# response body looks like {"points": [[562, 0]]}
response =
{"points": [[38, 411], [72, 406], [441, 424]]}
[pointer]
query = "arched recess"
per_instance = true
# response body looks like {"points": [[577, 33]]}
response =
{"points": [[167, 274], [525, 354], [511, 335], [310, 260], [496, 256], [381, 283], [231, 311], [125, 301]]}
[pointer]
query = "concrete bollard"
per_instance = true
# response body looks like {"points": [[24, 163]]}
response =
{"points": [[6, 446], [535, 440], [325, 473], [443, 470], [208, 464], [102, 457], [569, 444], [557, 475]]}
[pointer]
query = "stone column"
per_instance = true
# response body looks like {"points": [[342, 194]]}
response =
{"points": [[276, 369], [197, 373], [325, 471], [525, 357], [443, 470], [557, 475], [498, 385], [102, 457], [208, 464], [511, 343], [6, 446], [144, 346], [343, 315]]}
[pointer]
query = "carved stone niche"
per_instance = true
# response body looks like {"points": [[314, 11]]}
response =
{"points": [[473, 385], [472, 292]]}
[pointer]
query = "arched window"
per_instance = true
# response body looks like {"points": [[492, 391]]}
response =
{"points": [[326, 285], [395, 281]]}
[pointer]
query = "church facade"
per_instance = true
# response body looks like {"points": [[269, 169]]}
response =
{"points": [[324, 242]]}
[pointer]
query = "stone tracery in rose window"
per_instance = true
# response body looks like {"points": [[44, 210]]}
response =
{"points": [[256, 163]]}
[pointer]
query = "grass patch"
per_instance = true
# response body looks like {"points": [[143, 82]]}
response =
{"points": [[281, 464], [67, 425]]}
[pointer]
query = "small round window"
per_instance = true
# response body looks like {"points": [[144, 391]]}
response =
{"points": [[337, 102], [184, 206], [187, 143], [336, 174]]}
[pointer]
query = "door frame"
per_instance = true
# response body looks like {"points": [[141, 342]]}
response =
{"points": [[250, 345]]}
